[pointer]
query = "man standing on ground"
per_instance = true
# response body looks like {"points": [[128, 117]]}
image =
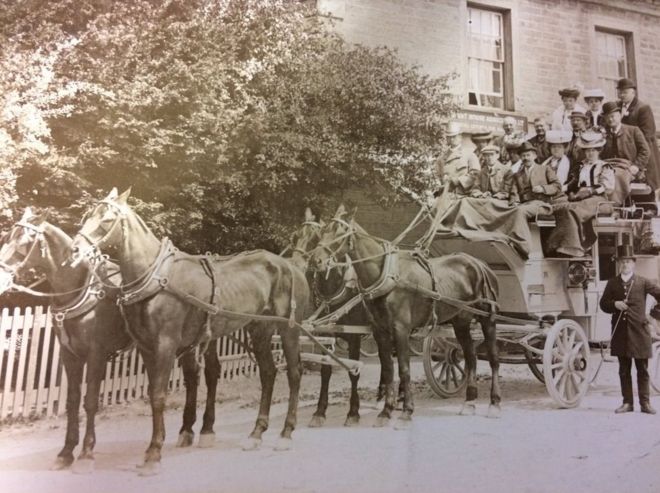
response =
{"points": [[625, 298]]}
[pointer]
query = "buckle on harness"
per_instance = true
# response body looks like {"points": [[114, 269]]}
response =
{"points": [[163, 282], [59, 318], [100, 294]]}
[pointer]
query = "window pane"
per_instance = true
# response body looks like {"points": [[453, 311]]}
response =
{"points": [[485, 58], [612, 60]]}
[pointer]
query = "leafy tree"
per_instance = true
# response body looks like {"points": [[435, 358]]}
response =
{"points": [[227, 117]]}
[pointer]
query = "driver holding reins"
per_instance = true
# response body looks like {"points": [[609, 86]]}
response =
{"points": [[625, 298]]}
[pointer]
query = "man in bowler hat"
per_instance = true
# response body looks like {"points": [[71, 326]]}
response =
{"points": [[625, 298], [635, 112]]}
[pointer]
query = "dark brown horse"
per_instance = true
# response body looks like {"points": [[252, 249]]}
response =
{"points": [[91, 331], [330, 290], [396, 281], [173, 301]]}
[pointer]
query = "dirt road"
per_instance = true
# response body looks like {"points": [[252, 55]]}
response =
{"points": [[534, 447]]}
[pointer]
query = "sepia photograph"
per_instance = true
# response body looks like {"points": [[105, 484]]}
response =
{"points": [[327, 246]]}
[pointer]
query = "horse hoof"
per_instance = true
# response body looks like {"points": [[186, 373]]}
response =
{"points": [[469, 408], [352, 421], [494, 411], [61, 463], [382, 422], [206, 440], [316, 421], [83, 466], [186, 439], [403, 423], [283, 444], [251, 444], [150, 468]]}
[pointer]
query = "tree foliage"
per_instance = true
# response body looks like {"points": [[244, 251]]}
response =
{"points": [[227, 117]]}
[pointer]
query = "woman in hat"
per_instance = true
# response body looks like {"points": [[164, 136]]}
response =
{"points": [[589, 185], [558, 161], [594, 99], [561, 117], [625, 298]]}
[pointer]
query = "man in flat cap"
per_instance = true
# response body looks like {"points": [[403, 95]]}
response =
{"points": [[494, 176], [561, 117], [594, 99], [481, 139], [635, 112], [539, 141], [624, 141], [460, 167], [625, 298]]}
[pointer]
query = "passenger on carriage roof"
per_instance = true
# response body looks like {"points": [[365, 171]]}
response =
{"points": [[558, 161], [638, 114], [561, 117], [625, 141], [539, 141], [480, 140], [594, 99], [593, 177], [579, 125], [533, 181], [494, 176], [460, 167]]}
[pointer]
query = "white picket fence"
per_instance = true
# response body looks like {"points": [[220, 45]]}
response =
{"points": [[33, 381]]}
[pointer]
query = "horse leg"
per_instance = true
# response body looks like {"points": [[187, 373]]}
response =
{"points": [[401, 336], [384, 341], [318, 418], [211, 375], [260, 335], [290, 344], [191, 381], [489, 329], [159, 366], [74, 370], [353, 417], [96, 364], [462, 331]]}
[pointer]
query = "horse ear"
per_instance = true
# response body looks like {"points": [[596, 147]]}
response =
{"points": [[124, 196], [322, 222], [37, 219], [27, 214], [341, 210], [113, 194], [353, 212], [308, 214]]}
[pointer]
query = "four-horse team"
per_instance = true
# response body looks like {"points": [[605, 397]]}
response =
{"points": [[170, 303]]}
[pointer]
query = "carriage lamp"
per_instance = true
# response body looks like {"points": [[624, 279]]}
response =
{"points": [[580, 273]]}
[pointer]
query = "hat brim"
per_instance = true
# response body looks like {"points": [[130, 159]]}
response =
{"points": [[569, 94]]}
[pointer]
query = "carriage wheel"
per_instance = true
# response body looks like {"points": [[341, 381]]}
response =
{"points": [[654, 367], [444, 366], [368, 346], [566, 363], [535, 361]]}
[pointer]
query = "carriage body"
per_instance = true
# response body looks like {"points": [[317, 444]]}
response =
{"points": [[550, 300]]}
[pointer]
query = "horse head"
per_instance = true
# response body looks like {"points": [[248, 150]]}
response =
{"points": [[25, 246], [102, 226], [305, 238], [337, 240]]}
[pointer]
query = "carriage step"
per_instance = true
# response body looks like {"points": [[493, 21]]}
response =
{"points": [[324, 359]]}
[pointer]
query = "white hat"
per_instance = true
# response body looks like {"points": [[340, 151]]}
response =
{"points": [[453, 128], [558, 136], [594, 93]]}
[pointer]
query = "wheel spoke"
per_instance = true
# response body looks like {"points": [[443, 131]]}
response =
{"points": [[557, 376], [435, 367], [461, 371], [562, 384], [453, 375], [571, 339], [554, 366]]}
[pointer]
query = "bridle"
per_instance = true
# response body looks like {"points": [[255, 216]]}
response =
{"points": [[95, 245], [316, 227], [38, 240], [343, 238]]}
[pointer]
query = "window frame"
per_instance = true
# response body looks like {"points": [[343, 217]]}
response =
{"points": [[628, 48], [507, 52]]}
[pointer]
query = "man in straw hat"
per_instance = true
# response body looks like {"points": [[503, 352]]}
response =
{"points": [[561, 117], [636, 113], [459, 168], [625, 298]]}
